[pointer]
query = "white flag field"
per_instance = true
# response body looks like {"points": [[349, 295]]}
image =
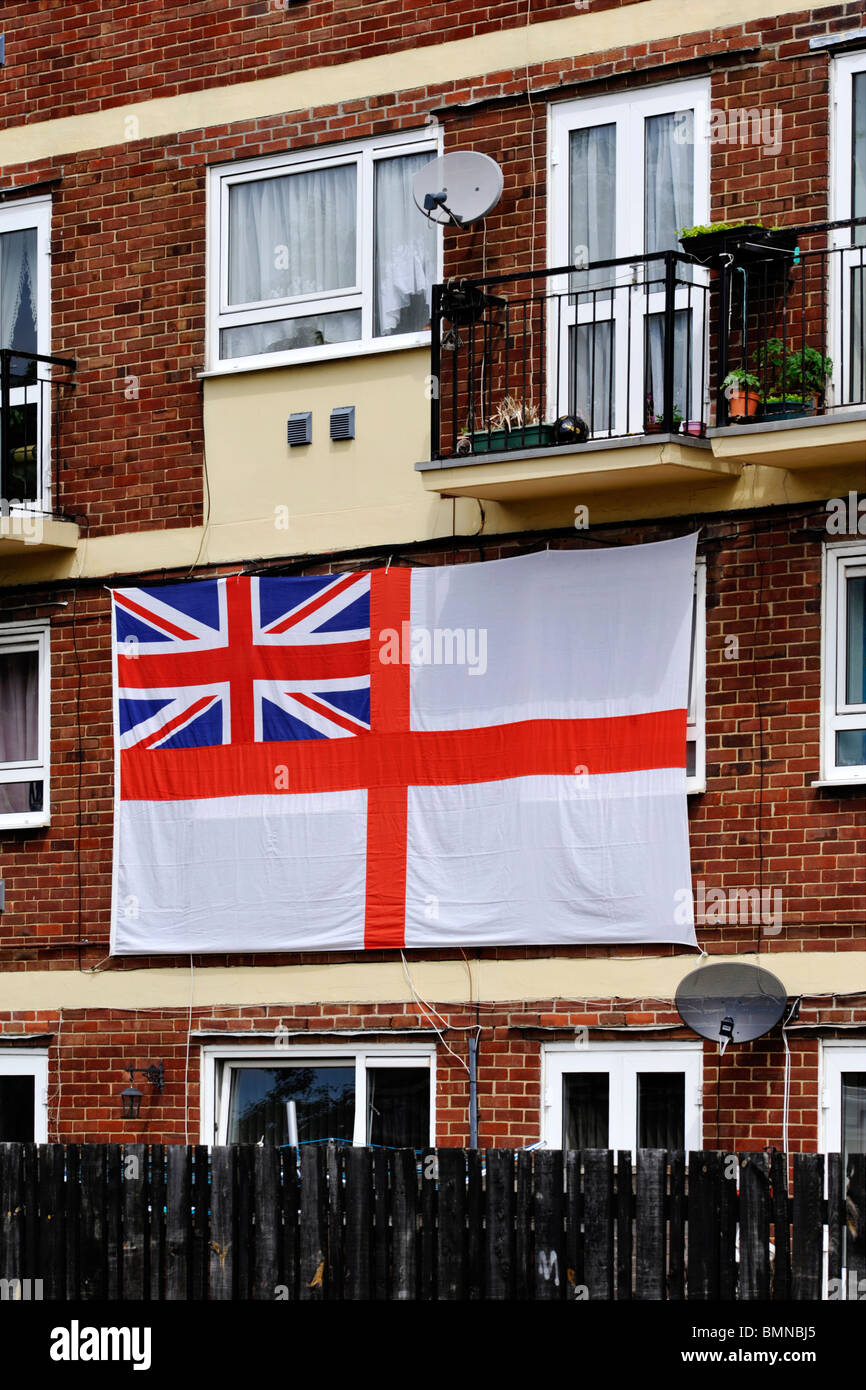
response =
{"points": [[467, 755]]}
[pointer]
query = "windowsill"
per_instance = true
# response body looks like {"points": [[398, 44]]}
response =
{"points": [[334, 352], [857, 779], [37, 821], [697, 790]]}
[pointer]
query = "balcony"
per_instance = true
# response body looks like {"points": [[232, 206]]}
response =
{"points": [[34, 391], [661, 368]]}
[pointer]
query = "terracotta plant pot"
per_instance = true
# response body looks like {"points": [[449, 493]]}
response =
{"points": [[743, 403]]}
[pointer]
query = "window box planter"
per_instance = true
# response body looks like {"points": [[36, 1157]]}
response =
{"points": [[520, 437], [790, 407]]}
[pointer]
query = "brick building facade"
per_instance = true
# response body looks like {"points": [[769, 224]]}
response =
{"points": [[117, 120]]}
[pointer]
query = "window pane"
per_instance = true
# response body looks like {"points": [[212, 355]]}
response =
{"points": [[592, 201], [398, 1104], [857, 389], [670, 179], [661, 1108], [853, 1112], [851, 748], [324, 1099], [16, 797], [585, 1110], [22, 460], [18, 290], [19, 706], [858, 147], [855, 645], [691, 758], [17, 1102], [314, 330], [293, 236], [592, 387], [405, 249], [655, 369]]}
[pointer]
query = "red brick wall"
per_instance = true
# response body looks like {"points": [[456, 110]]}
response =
{"points": [[91, 1049], [129, 220]]}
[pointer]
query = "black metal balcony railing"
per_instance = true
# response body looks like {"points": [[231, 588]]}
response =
{"points": [[659, 343], [33, 392]]}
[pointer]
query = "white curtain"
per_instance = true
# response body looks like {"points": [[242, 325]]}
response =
{"points": [[858, 209], [281, 335], [19, 728], [670, 178], [294, 235], [593, 393], [404, 249], [592, 200], [18, 290], [685, 403]]}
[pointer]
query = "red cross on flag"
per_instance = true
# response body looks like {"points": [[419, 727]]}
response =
{"points": [[465, 755]]}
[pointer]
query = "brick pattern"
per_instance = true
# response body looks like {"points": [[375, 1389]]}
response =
{"points": [[742, 1099]]}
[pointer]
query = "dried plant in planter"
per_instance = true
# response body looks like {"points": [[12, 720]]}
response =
{"points": [[512, 413]]}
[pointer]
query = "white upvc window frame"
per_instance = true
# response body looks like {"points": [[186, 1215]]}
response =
{"points": [[623, 1061], [35, 213], [838, 1055], [843, 69], [31, 637], [628, 110], [696, 727], [364, 154], [218, 1060], [841, 560], [28, 1061]]}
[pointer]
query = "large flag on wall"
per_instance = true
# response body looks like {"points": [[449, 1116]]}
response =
{"points": [[465, 755]]}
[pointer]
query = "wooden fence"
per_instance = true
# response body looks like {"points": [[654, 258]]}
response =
{"points": [[104, 1221]]}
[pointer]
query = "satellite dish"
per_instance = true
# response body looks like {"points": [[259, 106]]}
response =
{"points": [[730, 1002], [458, 188]]}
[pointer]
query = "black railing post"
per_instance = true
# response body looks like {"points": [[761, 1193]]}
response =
{"points": [[724, 330], [436, 373], [670, 324], [5, 401]]}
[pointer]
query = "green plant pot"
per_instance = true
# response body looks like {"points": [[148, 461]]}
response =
{"points": [[789, 408], [520, 437]]}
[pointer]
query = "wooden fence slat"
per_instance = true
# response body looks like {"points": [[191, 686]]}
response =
{"points": [[113, 1223], [855, 1226], [52, 1203], [92, 1252], [523, 1227], [428, 1236], [11, 1211], [313, 1231], [156, 1235], [335, 1263], [452, 1263], [703, 1205], [30, 1213], [178, 1225], [404, 1217], [381, 1224], [266, 1211], [222, 1254], [72, 1219], [574, 1239], [243, 1221], [677, 1227], [781, 1285], [598, 1263], [200, 1182], [551, 1280], [729, 1213], [650, 1224], [359, 1225], [499, 1233], [134, 1220], [755, 1227], [808, 1226], [835, 1223], [475, 1216], [290, 1202], [624, 1241]]}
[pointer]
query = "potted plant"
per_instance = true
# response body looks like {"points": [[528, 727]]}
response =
{"points": [[696, 428], [513, 425], [655, 423], [794, 381], [742, 390]]}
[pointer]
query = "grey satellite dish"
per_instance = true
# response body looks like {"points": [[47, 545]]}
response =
{"points": [[730, 1002], [458, 188]]}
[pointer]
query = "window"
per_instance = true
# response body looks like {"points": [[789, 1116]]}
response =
{"points": [[843, 699], [23, 1096], [24, 696], [628, 172], [843, 1111], [25, 230], [696, 761], [318, 254], [848, 321], [379, 1095], [622, 1096]]}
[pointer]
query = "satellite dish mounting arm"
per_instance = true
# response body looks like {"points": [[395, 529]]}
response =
{"points": [[437, 200]]}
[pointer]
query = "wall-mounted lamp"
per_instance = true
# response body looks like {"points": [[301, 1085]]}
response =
{"points": [[130, 1099]]}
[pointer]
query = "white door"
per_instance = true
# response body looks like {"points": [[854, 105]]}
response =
{"points": [[622, 1096]]}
